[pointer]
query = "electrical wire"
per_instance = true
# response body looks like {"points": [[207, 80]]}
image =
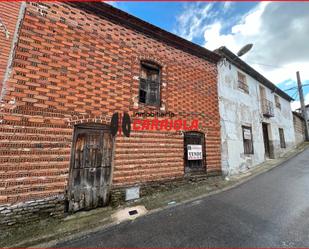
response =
{"points": [[265, 65], [295, 87], [295, 94]]}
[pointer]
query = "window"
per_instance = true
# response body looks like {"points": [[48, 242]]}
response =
{"points": [[266, 105], [247, 139], [194, 149], [277, 102], [149, 89], [242, 82], [282, 140]]}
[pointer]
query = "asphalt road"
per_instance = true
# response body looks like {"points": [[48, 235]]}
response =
{"points": [[271, 210]]}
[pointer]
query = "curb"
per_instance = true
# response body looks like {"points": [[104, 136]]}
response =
{"points": [[51, 241]]}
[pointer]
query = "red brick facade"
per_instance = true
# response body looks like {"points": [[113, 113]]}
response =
{"points": [[8, 20], [71, 67]]}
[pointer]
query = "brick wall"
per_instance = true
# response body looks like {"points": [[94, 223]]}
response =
{"points": [[8, 20], [73, 67]]}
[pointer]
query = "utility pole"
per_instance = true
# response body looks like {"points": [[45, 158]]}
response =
{"points": [[302, 103]]}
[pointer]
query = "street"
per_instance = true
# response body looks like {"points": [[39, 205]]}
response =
{"points": [[271, 210]]}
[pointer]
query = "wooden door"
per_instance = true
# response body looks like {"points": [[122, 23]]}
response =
{"points": [[194, 138], [90, 171], [266, 139]]}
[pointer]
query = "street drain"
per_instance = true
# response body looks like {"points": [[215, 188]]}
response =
{"points": [[132, 212]]}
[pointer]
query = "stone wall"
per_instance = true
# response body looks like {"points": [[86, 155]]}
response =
{"points": [[24, 213], [118, 194]]}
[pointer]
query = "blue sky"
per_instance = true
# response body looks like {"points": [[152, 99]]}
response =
{"points": [[276, 53], [164, 14]]}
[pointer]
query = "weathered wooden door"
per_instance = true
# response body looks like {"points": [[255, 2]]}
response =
{"points": [[194, 138], [90, 171], [266, 139]]}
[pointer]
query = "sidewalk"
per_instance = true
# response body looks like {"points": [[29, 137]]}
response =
{"points": [[49, 232]]}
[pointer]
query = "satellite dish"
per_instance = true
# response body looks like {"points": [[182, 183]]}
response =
{"points": [[244, 49]]}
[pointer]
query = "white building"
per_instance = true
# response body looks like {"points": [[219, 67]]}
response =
{"points": [[256, 116]]}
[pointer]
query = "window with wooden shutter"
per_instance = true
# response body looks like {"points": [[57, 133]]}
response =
{"points": [[149, 89], [282, 139], [242, 82], [247, 139], [277, 102]]}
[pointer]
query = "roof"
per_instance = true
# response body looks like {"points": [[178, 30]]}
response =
{"points": [[115, 15], [234, 59], [306, 106], [298, 115]]}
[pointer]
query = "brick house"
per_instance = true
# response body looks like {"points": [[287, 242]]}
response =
{"points": [[65, 69]]}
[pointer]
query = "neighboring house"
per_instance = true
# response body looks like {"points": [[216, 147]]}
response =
{"points": [[299, 128], [67, 68], [307, 111], [256, 117]]}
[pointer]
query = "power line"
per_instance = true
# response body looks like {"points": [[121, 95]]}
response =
{"points": [[292, 88], [265, 65], [295, 87], [295, 94]]}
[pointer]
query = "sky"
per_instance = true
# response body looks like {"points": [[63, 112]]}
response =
{"points": [[279, 32]]}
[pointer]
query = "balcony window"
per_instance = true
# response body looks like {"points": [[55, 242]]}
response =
{"points": [[242, 82], [268, 108], [277, 102]]}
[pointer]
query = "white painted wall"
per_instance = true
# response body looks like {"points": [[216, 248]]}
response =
{"points": [[238, 108]]}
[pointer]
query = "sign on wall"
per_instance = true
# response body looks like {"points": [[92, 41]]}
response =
{"points": [[195, 152], [247, 134]]}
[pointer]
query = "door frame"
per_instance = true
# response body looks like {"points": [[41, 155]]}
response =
{"points": [[266, 143], [203, 168], [87, 126]]}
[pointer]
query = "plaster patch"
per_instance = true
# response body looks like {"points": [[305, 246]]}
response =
{"points": [[124, 214]]}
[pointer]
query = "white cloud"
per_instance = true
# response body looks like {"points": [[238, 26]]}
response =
{"points": [[296, 104], [192, 22], [289, 83], [218, 39], [227, 5], [250, 24], [279, 32]]}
